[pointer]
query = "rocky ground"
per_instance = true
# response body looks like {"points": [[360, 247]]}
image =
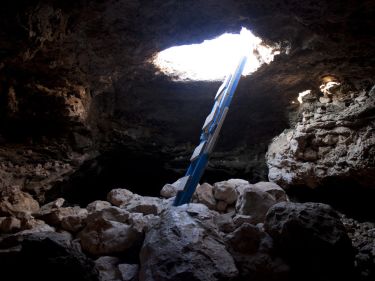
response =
{"points": [[233, 231]]}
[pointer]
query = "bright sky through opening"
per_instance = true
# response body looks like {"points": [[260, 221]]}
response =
{"points": [[214, 59]]}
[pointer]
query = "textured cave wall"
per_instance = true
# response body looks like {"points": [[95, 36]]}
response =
{"points": [[77, 85]]}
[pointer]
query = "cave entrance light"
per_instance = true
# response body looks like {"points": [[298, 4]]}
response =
{"points": [[213, 59]]}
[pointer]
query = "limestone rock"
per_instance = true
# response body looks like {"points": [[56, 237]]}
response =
{"points": [[334, 146], [9, 224], [58, 203], [239, 220], [76, 221], [145, 204], [108, 232], [252, 250], [97, 205], [204, 193], [225, 222], [170, 190], [255, 202], [181, 247], [237, 182], [129, 272], [221, 206], [225, 191], [31, 225], [312, 239], [119, 197], [143, 223], [72, 217], [107, 268], [15, 202], [272, 188]]}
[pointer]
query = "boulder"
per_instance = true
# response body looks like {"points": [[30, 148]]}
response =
{"points": [[205, 195], [255, 202], [185, 246], [15, 202], [225, 222], [272, 188], [9, 224], [221, 206], [237, 182], [170, 190], [225, 191], [97, 205], [252, 250], [145, 204], [73, 217], [58, 203], [311, 237], [119, 196], [108, 232], [76, 221], [129, 272], [107, 268]]}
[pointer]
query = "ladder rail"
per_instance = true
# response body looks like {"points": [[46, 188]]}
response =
{"points": [[210, 134]]}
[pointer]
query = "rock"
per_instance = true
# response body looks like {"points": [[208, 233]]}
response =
{"points": [[272, 188], [221, 206], [73, 217], [204, 193], [15, 202], [129, 272], [97, 205], [225, 222], [143, 223], [312, 239], [76, 221], [237, 182], [58, 203], [183, 247], [46, 256], [225, 191], [108, 232], [252, 250], [328, 148], [119, 197], [31, 225], [238, 220], [254, 202], [170, 190], [145, 204], [107, 268], [9, 224]]}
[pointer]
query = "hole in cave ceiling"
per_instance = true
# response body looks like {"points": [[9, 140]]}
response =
{"points": [[213, 59]]}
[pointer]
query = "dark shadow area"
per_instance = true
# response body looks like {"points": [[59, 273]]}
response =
{"points": [[137, 171], [345, 196]]}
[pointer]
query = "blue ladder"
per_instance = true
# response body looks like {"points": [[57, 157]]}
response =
{"points": [[209, 136]]}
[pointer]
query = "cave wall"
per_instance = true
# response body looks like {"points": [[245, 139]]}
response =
{"points": [[77, 83]]}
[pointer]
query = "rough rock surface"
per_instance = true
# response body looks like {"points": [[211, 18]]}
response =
{"points": [[181, 248], [108, 232], [362, 235], [313, 240], [252, 249], [333, 142], [205, 195], [255, 200], [17, 203], [225, 191]]}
